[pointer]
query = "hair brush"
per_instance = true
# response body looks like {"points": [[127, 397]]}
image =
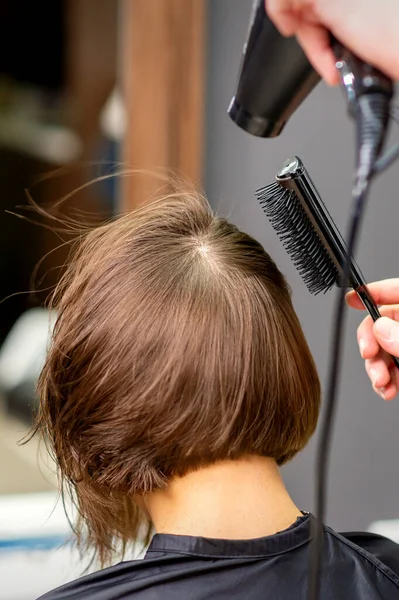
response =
{"points": [[309, 234]]}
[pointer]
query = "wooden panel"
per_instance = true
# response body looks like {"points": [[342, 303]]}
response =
{"points": [[91, 68], [163, 53], [91, 64]]}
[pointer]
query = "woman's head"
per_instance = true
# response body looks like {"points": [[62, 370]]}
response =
{"points": [[176, 346]]}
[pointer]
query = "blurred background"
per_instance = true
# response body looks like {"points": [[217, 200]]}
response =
{"points": [[146, 83]]}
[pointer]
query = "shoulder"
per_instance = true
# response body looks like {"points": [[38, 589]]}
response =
{"points": [[356, 566], [90, 587], [374, 552]]}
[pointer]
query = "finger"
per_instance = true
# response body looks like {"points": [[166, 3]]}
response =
{"points": [[368, 345], [387, 310], [393, 388], [378, 371], [382, 292], [390, 310], [386, 333], [389, 391], [315, 42], [353, 300], [282, 15]]}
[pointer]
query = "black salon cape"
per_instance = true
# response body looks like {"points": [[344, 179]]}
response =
{"points": [[356, 566]]}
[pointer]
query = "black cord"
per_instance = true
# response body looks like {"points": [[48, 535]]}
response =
{"points": [[393, 154], [387, 160], [394, 113], [372, 119], [323, 453]]}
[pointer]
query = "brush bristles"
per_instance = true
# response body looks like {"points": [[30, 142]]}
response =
{"points": [[299, 237]]}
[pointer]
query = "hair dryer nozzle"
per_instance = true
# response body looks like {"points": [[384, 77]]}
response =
{"points": [[275, 77]]}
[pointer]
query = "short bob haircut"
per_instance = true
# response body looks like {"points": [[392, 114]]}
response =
{"points": [[176, 345]]}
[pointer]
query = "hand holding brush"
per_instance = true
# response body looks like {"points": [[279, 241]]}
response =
{"points": [[378, 340], [313, 241]]}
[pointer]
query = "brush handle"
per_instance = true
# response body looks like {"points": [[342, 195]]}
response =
{"points": [[293, 176], [372, 309]]}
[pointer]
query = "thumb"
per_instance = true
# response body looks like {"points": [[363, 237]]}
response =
{"points": [[386, 332]]}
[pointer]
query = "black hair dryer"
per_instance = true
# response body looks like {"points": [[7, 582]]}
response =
{"points": [[275, 77]]}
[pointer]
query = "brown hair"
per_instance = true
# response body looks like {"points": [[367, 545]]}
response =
{"points": [[176, 345]]}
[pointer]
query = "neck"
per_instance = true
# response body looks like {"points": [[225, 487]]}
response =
{"points": [[239, 499]]}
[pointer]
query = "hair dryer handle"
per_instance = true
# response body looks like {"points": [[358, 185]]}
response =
{"points": [[357, 77]]}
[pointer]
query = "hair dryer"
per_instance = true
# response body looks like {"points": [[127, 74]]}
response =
{"points": [[276, 76]]}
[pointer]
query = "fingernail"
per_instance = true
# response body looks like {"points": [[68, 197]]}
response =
{"points": [[362, 346], [381, 392], [386, 329], [373, 376]]}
